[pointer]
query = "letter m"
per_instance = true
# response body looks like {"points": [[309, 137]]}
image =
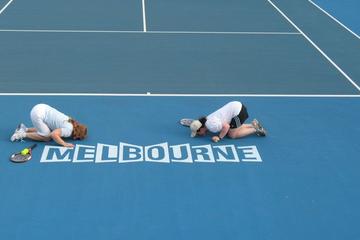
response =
{"points": [[56, 154]]}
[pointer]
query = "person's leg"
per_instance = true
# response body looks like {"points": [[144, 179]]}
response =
{"points": [[30, 130], [239, 129], [40, 131], [37, 137], [242, 131]]}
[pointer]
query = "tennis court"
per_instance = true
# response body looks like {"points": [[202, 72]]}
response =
{"points": [[131, 69]]}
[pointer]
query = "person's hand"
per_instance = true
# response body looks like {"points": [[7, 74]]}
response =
{"points": [[69, 145], [215, 139]]}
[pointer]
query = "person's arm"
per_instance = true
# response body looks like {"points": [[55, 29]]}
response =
{"points": [[56, 136], [223, 132]]}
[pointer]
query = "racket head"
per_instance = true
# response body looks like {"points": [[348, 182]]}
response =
{"points": [[20, 158]]}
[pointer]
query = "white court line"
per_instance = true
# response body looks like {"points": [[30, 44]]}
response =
{"points": [[243, 33], [144, 15], [143, 32], [3, 9], [183, 95], [333, 18], [314, 45]]}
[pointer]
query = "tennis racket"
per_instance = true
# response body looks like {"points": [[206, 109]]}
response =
{"points": [[24, 155], [186, 122]]}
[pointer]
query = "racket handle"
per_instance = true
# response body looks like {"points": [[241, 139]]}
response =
{"points": [[32, 146]]}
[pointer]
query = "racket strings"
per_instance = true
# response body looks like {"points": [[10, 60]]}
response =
{"points": [[20, 157]]}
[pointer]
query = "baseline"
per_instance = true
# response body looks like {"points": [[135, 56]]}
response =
{"points": [[145, 31], [148, 94]]}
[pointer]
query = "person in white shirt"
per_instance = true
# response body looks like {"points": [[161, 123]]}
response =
{"points": [[50, 123], [227, 121]]}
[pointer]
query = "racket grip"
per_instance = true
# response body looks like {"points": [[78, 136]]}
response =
{"points": [[32, 146]]}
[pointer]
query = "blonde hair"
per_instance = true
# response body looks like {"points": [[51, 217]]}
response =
{"points": [[79, 130]]}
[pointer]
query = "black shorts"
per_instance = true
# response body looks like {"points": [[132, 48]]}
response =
{"points": [[238, 120]]}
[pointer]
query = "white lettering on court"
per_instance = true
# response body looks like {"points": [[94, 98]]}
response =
{"points": [[157, 153], [251, 154]]}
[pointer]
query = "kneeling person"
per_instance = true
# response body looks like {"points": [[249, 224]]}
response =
{"points": [[227, 121], [49, 124]]}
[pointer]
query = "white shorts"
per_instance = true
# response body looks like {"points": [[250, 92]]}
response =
{"points": [[37, 116]]}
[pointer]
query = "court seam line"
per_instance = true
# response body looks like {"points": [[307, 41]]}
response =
{"points": [[183, 95], [3, 9], [147, 32], [315, 46], [144, 16], [333, 18]]}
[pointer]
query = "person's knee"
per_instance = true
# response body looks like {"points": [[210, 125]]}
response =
{"points": [[38, 137], [47, 139], [231, 135]]}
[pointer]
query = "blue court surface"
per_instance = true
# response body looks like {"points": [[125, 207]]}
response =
{"points": [[130, 70]]}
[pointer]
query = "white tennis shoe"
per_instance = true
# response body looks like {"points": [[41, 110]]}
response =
{"points": [[22, 126], [19, 134], [260, 131]]}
